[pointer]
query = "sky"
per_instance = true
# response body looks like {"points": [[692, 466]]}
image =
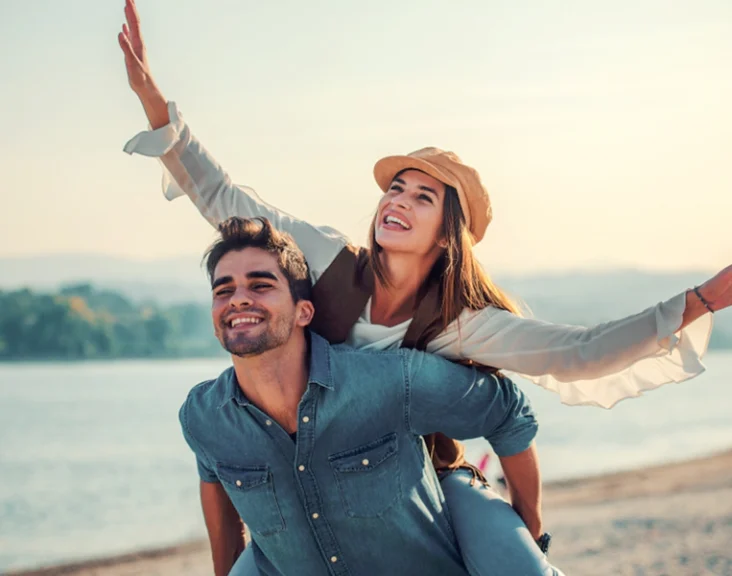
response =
{"points": [[603, 130]]}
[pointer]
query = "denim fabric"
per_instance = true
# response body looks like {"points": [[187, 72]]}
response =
{"points": [[493, 539], [355, 493]]}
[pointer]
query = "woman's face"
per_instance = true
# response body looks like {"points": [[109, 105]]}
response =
{"points": [[409, 217]]}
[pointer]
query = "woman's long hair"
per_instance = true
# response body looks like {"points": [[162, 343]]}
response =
{"points": [[463, 282]]}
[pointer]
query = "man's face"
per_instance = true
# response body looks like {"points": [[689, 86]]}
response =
{"points": [[252, 308]]}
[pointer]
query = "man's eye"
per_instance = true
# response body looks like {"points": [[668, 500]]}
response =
{"points": [[224, 291], [261, 286]]}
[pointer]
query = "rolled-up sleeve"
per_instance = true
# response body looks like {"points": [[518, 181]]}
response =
{"points": [[464, 403], [190, 170], [205, 469], [596, 366]]}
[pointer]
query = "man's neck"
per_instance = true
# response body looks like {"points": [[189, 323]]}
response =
{"points": [[395, 303], [276, 380]]}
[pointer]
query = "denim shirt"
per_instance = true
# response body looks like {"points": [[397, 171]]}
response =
{"points": [[354, 492]]}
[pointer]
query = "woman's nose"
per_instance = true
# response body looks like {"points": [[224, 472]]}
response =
{"points": [[401, 202]]}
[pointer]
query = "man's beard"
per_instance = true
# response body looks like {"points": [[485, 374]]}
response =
{"points": [[277, 334]]}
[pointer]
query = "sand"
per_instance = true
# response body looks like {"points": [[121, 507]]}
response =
{"points": [[674, 519]]}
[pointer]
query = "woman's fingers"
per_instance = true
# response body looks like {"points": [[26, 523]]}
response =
{"points": [[132, 28], [131, 59]]}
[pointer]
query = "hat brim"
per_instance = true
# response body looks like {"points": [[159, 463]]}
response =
{"points": [[387, 168]]}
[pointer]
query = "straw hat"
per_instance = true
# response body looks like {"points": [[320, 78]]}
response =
{"points": [[448, 169]]}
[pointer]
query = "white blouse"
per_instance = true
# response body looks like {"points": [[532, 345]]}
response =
{"points": [[586, 366]]}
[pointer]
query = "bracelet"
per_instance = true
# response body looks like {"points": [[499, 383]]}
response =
{"points": [[702, 299]]}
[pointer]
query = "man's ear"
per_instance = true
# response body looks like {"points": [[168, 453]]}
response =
{"points": [[304, 312]]}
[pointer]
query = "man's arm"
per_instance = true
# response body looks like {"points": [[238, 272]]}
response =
{"points": [[524, 484], [225, 529], [465, 403]]}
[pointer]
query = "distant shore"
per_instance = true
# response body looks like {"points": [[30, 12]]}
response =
{"points": [[670, 519], [218, 354]]}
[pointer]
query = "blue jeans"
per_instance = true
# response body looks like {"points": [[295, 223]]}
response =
{"points": [[493, 539]]}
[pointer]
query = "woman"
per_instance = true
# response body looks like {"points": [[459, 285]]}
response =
{"points": [[420, 285]]}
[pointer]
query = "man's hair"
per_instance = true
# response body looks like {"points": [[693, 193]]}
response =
{"points": [[240, 233]]}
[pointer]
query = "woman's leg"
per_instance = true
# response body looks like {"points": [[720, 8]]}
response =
{"points": [[493, 539], [245, 565]]}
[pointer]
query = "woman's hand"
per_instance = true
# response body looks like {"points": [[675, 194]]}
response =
{"points": [[717, 291], [138, 69], [130, 40]]}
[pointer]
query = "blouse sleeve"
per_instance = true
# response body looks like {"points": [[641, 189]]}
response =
{"points": [[596, 366], [190, 170]]}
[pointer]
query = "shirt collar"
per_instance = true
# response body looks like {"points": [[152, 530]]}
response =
{"points": [[230, 388], [319, 372], [320, 362]]}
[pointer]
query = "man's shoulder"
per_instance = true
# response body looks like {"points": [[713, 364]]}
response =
{"points": [[349, 353], [409, 358], [207, 395], [202, 390]]}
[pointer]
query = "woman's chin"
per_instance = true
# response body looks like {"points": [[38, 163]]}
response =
{"points": [[392, 246], [391, 242]]}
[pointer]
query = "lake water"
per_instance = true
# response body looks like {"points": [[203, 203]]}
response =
{"points": [[92, 462]]}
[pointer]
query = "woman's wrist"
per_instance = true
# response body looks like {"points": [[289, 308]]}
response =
{"points": [[704, 301], [155, 106]]}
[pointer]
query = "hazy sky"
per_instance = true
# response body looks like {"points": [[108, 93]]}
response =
{"points": [[603, 130]]}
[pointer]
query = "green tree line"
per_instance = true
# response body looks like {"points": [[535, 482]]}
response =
{"points": [[82, 322]]}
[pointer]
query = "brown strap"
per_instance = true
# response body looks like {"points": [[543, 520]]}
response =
{"points": [[427, 322], [341, 294]]}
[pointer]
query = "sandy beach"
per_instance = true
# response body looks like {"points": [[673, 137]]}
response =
{"points": [[674, 519]]}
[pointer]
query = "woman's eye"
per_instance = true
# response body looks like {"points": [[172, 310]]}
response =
{"points": [[425, 197], [396, 188]]}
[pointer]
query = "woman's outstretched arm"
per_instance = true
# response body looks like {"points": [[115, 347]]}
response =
{"points": [[600, 365], [190, 170]]}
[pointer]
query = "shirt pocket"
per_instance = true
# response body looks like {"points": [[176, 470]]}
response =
{"points": [[251, 489], [368, 477]]}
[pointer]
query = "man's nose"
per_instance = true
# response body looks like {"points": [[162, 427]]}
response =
{"points": [[241, 298]]}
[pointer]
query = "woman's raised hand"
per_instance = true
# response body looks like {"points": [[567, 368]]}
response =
{"points": [[130, 40], [138, 69]]}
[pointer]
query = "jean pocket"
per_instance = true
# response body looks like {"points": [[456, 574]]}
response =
{"points": [[368, 477], [251, 489]]}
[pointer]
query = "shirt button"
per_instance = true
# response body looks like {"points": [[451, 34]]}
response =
{"points": [[301, 468], [365, 461], [316, 516], [238, 482], [268, 422], [305, 419], [334, 559]]}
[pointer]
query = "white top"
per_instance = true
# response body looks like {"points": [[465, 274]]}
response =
{"points": [[594, 366]]}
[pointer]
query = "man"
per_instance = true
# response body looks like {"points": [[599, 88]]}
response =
{"points": [[318, 448]]}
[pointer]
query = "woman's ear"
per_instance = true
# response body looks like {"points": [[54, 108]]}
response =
{"points": [[442, 243], [304, 312]]}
